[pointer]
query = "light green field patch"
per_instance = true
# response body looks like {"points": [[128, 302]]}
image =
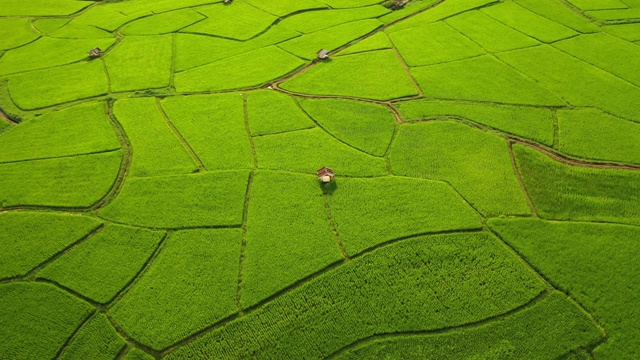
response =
{"points": [[195, 277], [37, 319], [103, 265], [577, 82], [629, 32], [208, 199], [49, 25], [242, 71], [308, 22], [307, 46], [601, 275], [309, 150], [337, 4], [156, 149], [285, 7], [156, 6], [106, 17], [529, 122], [96, 340], [73, 31], [442, 11], [523, 20], [79, 181], [240, 21], [140, 62], [565, 192], [476, 163], [41, 7], [77, 130], [438, 43], [621, 15], [375, 75], [28, 239], [598, 4], [593, 134], [15, 32], [162, 23], [271, 112], [377, 41], [214, 127], [489, 33], [46, 87], [557, 11], [288, 234], [481, 78], [366, 126], [368, 212]]}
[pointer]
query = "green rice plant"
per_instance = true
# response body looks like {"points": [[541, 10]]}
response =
{"points": [[49, 25], [76, 130], [9, 107], [474, 162], [378, 41], [338, 4], [594, 263], [370, 212], [593, 134], [307, 46], [41, 7], [481, 78], [46, 87], [607, 53], [106, 17], [28, 239], [272, 112], [598, 4], [557, 11], [190, 285], [288, 234], [615, 15], [155, 6], [195, 50], [566, 192], [137, 354], [240, 21], [375, 75], [489, 33], [409, 9], [15, 32], [403, 287], [156, 149], [308, 22], [73, 31], [308, 150], [532, 24], [246, 70], [438, 43], [103, 265], [96, 340], [529, 122], [442, 11], [162, 23], [579, 83], [214, 127], [366, 126], [547, 330], [284, 7], [208, 199], [629, 32], [77, 181], [37, 319], [140, 62]]}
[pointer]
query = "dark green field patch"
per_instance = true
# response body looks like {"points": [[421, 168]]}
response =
{"points": [[97, 340]]}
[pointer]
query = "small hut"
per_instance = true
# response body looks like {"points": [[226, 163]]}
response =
{"points": [[95, 53], [398, 4], [228, 1], [323, 54], [325, 174]]}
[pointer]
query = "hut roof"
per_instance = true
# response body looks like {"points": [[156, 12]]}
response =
{"points": [[325, 171]]}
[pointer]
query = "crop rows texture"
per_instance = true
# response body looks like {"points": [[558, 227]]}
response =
{"points": [[97, 340], [271, 112]]}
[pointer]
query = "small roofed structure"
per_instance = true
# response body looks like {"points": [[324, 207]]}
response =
{"points": [[323, 54], [398, 4], [325, 174], [228, 1], [95, 52]]}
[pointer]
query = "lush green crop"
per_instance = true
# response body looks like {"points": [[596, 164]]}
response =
{"points": [[556, 11], [288, 234], [411, 8], [49, 25], [28, 239], [336, 4], [100, 267], [378, 41], [137, 354], [37, 319], [214, 126], [271, 112], [156, 149], [15, 32], [75, 31], [106, 17], [443, 11], [622, 15], [562, 191], [374, 75], [96, 340], [208, 199], [194, 278], [163, 23], [285, 7], [630, 32], [309, 22], [403, 287], [595, 263], [78, 181], [598, 4], [529, 122], [309, 150], [41, 7], [476, 163]]}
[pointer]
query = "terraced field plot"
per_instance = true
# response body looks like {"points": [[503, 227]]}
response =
{"points": [[161, 201]]}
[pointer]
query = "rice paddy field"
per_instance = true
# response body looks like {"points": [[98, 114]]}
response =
{"points": [[159, 199]]}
